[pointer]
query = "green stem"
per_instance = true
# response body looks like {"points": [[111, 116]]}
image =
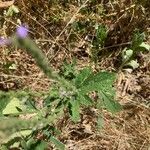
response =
{"points": [[41, 60]]}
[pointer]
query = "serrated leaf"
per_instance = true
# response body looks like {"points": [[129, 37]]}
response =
{"points": [[75, 110], [13, 106], [145, 46], [82, 76], [68, 70], [85, 100], [100, 81], [137, 39], [109, 102], [57, 143]]}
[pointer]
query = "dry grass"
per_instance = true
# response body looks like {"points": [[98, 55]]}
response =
{"points": [[51, 26]]}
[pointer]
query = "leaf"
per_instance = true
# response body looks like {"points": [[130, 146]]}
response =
{"points": [[2, 147], [34, 144], [137, 39], [28, 144], [74, 110], [6, 4], [82, 76], [127, 54], [13, 142], [68, 70], [13, 67], [4, 100], [101, 34], [41, 145], [100, 81], [57, 143], [133, 63], [109, 103], [10, 125], [12, 10], [85, 100], [17, 135], [52, 97], [13, 106], [145, 46]]}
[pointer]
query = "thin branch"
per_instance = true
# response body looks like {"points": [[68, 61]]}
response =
{"points": [[117, 45]]}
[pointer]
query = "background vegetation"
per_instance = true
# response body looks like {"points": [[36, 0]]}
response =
{"points": [[109, 36]]}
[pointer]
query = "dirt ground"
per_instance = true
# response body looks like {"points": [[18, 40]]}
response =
{"points": [[51, 26]]}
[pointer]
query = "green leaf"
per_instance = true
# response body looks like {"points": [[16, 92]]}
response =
{"points": [[13, 142], [29, 143], [82, 76], [145, 46], [100, 81], [15, 9], [68, 70], [13, 67], [85, 100], [12, 10], [133, 63], [10, 125], [57, 143], [2, 147], [13, 107], [137, 39], [127, 54], [101, 34], [41, 145], [75, 110], [109, 103], [52, 97], [4, 100], [17, 135], [34, 144]]}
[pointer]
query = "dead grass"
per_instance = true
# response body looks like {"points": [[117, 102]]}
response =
{"points": [[51, 25]]}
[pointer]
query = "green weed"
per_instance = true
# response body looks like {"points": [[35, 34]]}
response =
{"points": [[129, 54], [71, 91]]}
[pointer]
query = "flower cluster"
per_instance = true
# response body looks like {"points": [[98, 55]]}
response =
{"points": [[22, 32]]}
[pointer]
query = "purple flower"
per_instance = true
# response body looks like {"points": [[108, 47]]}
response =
{"points": [[22, 32]]}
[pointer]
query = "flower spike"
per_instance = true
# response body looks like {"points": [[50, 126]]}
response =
{"points": [[22, 32]]}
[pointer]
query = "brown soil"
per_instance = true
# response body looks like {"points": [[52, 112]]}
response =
{"points": [[50, 26]]}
